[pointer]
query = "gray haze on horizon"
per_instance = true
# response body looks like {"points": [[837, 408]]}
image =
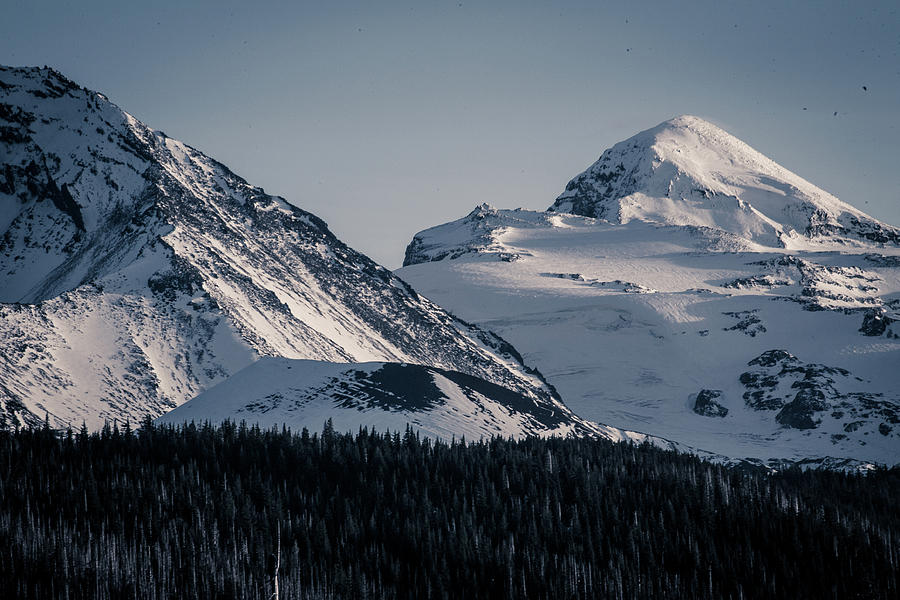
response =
{"points": [[387, 119]]}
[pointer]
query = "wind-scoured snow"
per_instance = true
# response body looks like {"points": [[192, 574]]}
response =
{"points": [[648, 312]]}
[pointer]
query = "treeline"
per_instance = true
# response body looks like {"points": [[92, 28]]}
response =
{"points": [[198, 512]]}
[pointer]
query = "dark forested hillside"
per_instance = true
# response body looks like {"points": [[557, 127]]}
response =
{"points": [[196, 512]]}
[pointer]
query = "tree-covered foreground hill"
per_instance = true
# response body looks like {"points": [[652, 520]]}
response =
{"points": [[198, 511]]}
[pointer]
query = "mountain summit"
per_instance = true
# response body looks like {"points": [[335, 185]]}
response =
{"points": [[687, 171]]}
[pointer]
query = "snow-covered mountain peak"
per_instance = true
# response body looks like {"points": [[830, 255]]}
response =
{"points": [[135, 272], [690, 264], [687, 171]]}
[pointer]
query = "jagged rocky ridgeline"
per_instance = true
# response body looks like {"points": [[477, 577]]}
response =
{"points": [[658, 287], [136, 272]]}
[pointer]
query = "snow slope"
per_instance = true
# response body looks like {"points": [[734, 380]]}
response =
{"points": [[136, 272], [384, 396], [743, 332]]}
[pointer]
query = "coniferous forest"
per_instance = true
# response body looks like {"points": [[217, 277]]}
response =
{"points": [[217, 512]]}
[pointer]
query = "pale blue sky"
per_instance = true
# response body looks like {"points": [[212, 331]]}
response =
{"points": [[384, 119]]}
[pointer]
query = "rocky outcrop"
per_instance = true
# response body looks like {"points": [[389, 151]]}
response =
{"points": [[707, 404], [807, 394]]}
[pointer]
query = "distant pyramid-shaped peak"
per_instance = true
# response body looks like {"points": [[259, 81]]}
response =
{"points": [[688, 171]]}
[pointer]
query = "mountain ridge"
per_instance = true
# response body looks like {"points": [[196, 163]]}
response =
{"points": [[438, 403], [137, 272]]}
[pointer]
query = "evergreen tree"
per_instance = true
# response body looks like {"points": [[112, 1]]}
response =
{"points": [[232, 511]]}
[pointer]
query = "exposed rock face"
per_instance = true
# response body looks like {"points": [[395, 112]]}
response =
{"points": [[707, 404], [799, 412], [803, 394], [876, 323]]}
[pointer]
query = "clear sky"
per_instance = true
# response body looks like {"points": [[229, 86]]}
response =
{"points": [[387, 118]]}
